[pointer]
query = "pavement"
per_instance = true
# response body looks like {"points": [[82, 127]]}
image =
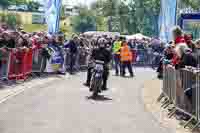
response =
{"points": [[151, 91], [63, 105]]}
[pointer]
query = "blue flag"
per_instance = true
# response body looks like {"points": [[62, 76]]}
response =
{"points": [[53, 8], [167, 19]]}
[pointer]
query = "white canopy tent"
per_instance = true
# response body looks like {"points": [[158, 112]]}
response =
{"points": [[138, 36], [101, 33]]}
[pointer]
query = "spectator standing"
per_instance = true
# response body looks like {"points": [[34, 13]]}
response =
{"points": [[197, 52], [179, 43], [188, 39], [126, 58], [73, 49], [116, 53], [178, 62], [8, 41]]}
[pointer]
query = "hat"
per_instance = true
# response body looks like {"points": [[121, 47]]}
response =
{"points": [[75, 37], [36, 37], [20, 28], [5, 33], [25, 35], [197, 42], [187, 50], [49, 36]]}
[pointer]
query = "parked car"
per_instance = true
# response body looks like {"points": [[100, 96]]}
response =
{"points": [[12, 7], [22, 8], [41, 9]]}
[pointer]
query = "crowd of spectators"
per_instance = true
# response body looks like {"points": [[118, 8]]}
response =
{"points": [[78, 44], [182, 53]]}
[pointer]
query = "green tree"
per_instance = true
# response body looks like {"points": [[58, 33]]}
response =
{"points": [[33, 6], [101, 23], [135, 15], [189, 3], [4, 3], [85, 21], [62, 16]]}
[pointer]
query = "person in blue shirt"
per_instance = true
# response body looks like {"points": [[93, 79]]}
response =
{"points": [[73, 49]]}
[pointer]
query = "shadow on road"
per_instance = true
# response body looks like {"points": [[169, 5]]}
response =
{"points": [[99, 98]]}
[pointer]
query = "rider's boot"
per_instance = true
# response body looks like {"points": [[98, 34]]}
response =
{"points": [[104, 87]]}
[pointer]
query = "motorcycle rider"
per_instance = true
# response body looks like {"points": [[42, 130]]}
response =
{"points": [[101, 54]]}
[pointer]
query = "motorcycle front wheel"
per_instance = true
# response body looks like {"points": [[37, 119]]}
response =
{"points": [[95, 86]]}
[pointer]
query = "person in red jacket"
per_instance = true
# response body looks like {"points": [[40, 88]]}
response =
{"points": [[178, 36], [179, 42]]}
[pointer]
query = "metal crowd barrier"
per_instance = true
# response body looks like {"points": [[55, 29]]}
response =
{"points": [[4, 64], [81, 59], [169, 83], [145, 57], [39, 61], [181, 88], [18, 64]]}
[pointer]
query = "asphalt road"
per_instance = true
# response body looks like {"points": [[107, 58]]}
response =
{"points": [[64, 106]]}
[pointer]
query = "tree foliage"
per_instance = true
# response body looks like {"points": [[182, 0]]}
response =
{"points": [[6, 3], [135, 15], [191, 3], [85, 21], [33, 6]]}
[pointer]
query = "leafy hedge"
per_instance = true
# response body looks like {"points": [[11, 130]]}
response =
{"points": [[11, 19]]}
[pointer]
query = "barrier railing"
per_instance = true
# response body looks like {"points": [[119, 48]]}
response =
{"points": [[181, 88], [83, 58], [18, 64], [4, 63], [169, 83], [146, 57], [39, 61], [80, 59]]}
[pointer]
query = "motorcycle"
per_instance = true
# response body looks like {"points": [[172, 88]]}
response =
{"points": [[97, 78]]}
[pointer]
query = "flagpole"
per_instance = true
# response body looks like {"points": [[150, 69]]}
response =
{"points": [[176, 17]]}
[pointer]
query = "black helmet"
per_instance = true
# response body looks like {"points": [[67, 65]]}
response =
{"points": [[102, 43]]}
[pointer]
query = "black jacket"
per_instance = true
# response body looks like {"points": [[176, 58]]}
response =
{"points": [[8, 44], [187, 59], [197, 54], [102, 54], [72, 47]]}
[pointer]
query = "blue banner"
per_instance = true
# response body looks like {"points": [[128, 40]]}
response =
{"points": [[56, 61], [56, 54], [53, 9], [167, 19]]}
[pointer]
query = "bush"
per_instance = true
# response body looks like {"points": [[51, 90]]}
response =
{"points": [[2, 17], [11, 19]]}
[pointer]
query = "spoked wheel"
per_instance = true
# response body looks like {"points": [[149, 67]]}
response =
{"points": [[96, 87]]}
